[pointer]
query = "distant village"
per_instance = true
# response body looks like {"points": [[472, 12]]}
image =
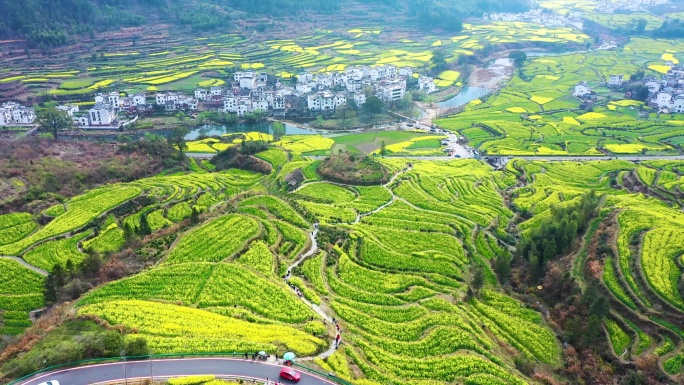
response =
{"points": [[541, 17], [250, 91], [627, 5], [665, 94]]}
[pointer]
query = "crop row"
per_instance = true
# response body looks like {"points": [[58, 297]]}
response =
{"points": [[277, 207], [14, 227], [81, 210], [48, 254], [660, 248], [215, 240], [172, 329]]}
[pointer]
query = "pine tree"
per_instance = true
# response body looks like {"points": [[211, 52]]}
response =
{"points": [[503, 267], [194, 217], [145, 228]]}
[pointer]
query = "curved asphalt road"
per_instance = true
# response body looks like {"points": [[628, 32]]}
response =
{"points": [[85, 375]]}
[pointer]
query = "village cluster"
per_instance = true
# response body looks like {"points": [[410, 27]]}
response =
{"points": [[665, 94], [250, 91], [627, 5], [541, 17]]}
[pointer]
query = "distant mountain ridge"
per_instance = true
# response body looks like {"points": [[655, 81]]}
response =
{"points": [[52, 23]]}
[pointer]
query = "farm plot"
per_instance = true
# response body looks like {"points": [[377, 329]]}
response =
{"points": [[215, 240], [21, 290], [645, 272], [536, 115], [81, 210]]}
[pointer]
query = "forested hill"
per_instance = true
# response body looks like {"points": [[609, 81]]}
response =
{"points": [[50, 23]]}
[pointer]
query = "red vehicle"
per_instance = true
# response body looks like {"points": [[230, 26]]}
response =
{"points": [[290, 374]]}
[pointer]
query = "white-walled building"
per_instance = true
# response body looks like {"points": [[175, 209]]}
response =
{"points": [[304, 88], [653, 85], [138, 99], [102, 114], [324, 101], [20, 114], [201, 93], [678, 104], [427, 84], [278, 101], [663, 99], [406, 72], [359, 98], [581, 89], [70, 110], [615, 80], [391, 92], [305, 77], [5, 116]]}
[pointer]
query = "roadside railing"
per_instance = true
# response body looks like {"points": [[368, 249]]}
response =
{"points": [[328, 376]]}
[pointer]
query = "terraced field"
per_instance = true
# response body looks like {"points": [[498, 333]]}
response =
{"points": [[643, 272], [392, 264], [535, 113], [197, 62]]}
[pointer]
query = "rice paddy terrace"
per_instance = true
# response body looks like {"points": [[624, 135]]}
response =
{"points": [[182, 63], [393, 264], [536, 114]]}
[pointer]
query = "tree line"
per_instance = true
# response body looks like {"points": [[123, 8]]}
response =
{"points": [[555, 234], [47, 24]]}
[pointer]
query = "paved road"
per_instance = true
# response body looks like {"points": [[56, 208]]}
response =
{"points": [[170, 368]]}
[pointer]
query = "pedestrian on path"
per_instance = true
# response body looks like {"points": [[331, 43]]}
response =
{"points": [[246, 355]]}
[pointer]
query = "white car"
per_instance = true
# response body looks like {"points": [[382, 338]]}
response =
{"points": [[50, 383]]}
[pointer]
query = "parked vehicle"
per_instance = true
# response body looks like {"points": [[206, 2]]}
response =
{"points": [[290, 374], [50, 383]]}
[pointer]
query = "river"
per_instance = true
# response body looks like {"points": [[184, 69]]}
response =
{"points": [[264, 127], [464, 97]]}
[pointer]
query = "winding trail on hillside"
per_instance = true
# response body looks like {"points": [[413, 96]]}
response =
{"points": [[313, 249], [317, 309], [27, 265]]}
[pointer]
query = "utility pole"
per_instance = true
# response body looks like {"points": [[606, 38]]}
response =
{"points": [[123, 355], [149, 357]]}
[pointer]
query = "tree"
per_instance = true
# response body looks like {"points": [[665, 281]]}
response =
{"points": [[345, 112], [518, 57], [144, 228], [194, 216], [439, 59], [383, 149], [137, 347], [278, 130], [319, 122], [503, 267], [640, 26], [406, 103], [52, 121], [177, 138], [373, 105], [637, 75], [477, 279]]}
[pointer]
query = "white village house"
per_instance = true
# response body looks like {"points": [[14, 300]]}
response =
{"points": [[14, 113], [581, 90], [102, 114], [427, 84], [615, 80]]}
